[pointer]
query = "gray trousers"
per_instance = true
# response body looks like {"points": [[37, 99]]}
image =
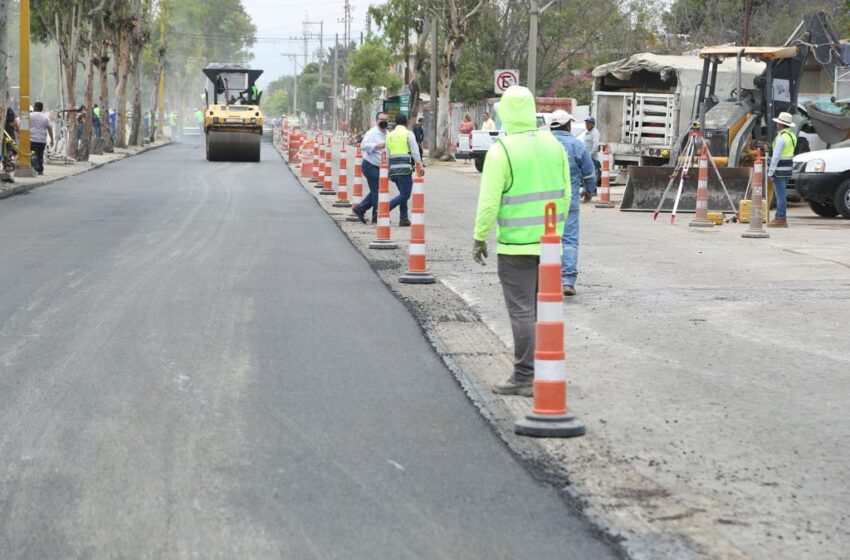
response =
{"points": [[518, 275]]}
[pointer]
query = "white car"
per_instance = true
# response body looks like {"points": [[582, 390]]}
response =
{"points": [[483, 139], [822, 178]]}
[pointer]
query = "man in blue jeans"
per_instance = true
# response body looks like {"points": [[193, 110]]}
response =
{"points": [[781, 164], [373, 146], [582, 172], [403, 152]]}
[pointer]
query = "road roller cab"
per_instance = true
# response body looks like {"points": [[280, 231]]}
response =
{"points": [[233, 123]]}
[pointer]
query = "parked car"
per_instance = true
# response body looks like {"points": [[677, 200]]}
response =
{"points": [[822, 178]]}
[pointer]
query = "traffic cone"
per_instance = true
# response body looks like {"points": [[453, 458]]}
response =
{"points": [[294, 148], [324, 170], [701, 216], [357, 192], [605, 181], [382, 229], [549, 416], [317, 160], [756, 230], [307, 159], [342, 181], [417, 270], [329, 170]]}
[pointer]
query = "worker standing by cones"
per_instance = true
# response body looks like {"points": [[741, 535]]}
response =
{"points": [[582, 173], [523, 171], [373, 146], [403, 153], [781, 164]]}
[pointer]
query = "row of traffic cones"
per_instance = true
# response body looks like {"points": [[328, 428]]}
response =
{"points": [[550, 416]]}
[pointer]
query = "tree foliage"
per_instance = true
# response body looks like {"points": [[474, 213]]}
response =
{"points": [[369, 70]]}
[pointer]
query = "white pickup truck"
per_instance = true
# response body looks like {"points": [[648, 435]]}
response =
{"points": [[483, 139]]}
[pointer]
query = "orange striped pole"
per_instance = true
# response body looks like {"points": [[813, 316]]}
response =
{"points": [[323, 165], [417, 269], [550, 416], [701, 217], [328, 188], [342, 181], [605, 181], [317, 160], [382, 229], [294, 147], [307, 160], [357, 192], [756, 230]]}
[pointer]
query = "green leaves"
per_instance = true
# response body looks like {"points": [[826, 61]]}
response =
{"points": [[369, 68]]}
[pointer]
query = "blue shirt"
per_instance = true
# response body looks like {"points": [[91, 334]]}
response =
{"points": [[371, 152], [582, 171]]}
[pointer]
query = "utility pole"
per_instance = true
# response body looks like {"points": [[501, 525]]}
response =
{"points": [[4, 57], [24, 168], [532, 43], [432, 137], [161, 103], [346, 105], [334, 97], [294, 58]]}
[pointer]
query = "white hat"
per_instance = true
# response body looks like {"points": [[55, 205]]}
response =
{"points": [[785, 119], [560, 118]]}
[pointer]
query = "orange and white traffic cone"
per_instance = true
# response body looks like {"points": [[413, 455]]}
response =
{"points": [[756, 230], [357, 189], [550, 416], [324, 167], [383, 239], [307, 159], [294, 148], [417, 269], [328, 185], [342, 181], [317, 160], [605, 181], [701, 216]]}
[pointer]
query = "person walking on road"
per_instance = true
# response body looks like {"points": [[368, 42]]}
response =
{"points": [[582, 173], [591, 144], [373, 147], [419, 134], [95, 121], [488, 123], [40, 130], [402, 151], [466, 128], [523, 171], [781, 163]]}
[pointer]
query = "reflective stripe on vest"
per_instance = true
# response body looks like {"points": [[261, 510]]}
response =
{"points": [[536, 162], [399, 152], [786, 160]]}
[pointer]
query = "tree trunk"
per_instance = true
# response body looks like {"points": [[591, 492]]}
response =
{"points": [[4, 58], [70, 70], [85, 143], [105, 124], [121, 87], [137, 44], [154, 107], [444, 136]]}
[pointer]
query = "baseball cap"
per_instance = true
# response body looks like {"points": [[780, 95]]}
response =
{"points": [[591, 120], [560, 118]]}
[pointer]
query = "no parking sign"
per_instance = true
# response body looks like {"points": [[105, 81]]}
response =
{"points": [[503, 79]]}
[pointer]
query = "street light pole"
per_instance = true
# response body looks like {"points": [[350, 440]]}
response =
{"points": [[432, 138], [24, 168], [532, 47]]}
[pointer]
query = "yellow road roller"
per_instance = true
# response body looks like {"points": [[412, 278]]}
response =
{"points": [[233, 123]]}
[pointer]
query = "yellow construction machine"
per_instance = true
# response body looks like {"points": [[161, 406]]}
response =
{"points": [[233, 123]]}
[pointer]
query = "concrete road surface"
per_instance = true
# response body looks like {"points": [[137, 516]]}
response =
{"points": [[195, 363]]}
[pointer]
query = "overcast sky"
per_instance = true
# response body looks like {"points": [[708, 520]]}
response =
{"points": [[279, 20]]}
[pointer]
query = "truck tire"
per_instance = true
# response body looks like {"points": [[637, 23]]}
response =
{"points": [[842, 199], [823, 210], [479, 164]]}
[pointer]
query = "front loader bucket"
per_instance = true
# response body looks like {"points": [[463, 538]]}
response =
{"points": [[645, 187]]}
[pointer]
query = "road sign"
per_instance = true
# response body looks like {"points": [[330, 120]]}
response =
{"points": [[320, 105], [503, 79], [404, 104]]}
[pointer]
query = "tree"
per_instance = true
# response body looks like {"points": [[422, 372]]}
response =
{"points": [[4, 58], [368, 70], [455, 17], [275, 104]]}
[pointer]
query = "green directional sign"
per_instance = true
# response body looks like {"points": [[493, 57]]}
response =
{"points": [[404, 104]]}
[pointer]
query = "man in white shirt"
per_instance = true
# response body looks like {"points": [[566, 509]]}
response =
{"points": [[489, 123], [40, 130], [591, 144], [374, 145]]}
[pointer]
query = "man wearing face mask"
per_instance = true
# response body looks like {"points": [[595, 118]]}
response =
{"points": [[374, 145]]}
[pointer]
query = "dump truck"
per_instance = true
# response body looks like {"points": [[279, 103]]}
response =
{"points": [[233, 123]]}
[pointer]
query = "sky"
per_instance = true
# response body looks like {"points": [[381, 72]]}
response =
{"points": [[278, 21]]}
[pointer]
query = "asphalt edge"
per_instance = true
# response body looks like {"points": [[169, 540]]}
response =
{"points": [[629, 535], [25, 188]]}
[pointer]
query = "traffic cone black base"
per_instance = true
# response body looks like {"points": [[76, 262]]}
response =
{"points": [[604, 205], [755, 234], [417, 278], [701, 223], [561, 426], [383, 245], [341, 203], [327, 191]]}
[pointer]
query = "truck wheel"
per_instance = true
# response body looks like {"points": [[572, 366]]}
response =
{"points": [[823, 210], [479, 164], [842, 199]]}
